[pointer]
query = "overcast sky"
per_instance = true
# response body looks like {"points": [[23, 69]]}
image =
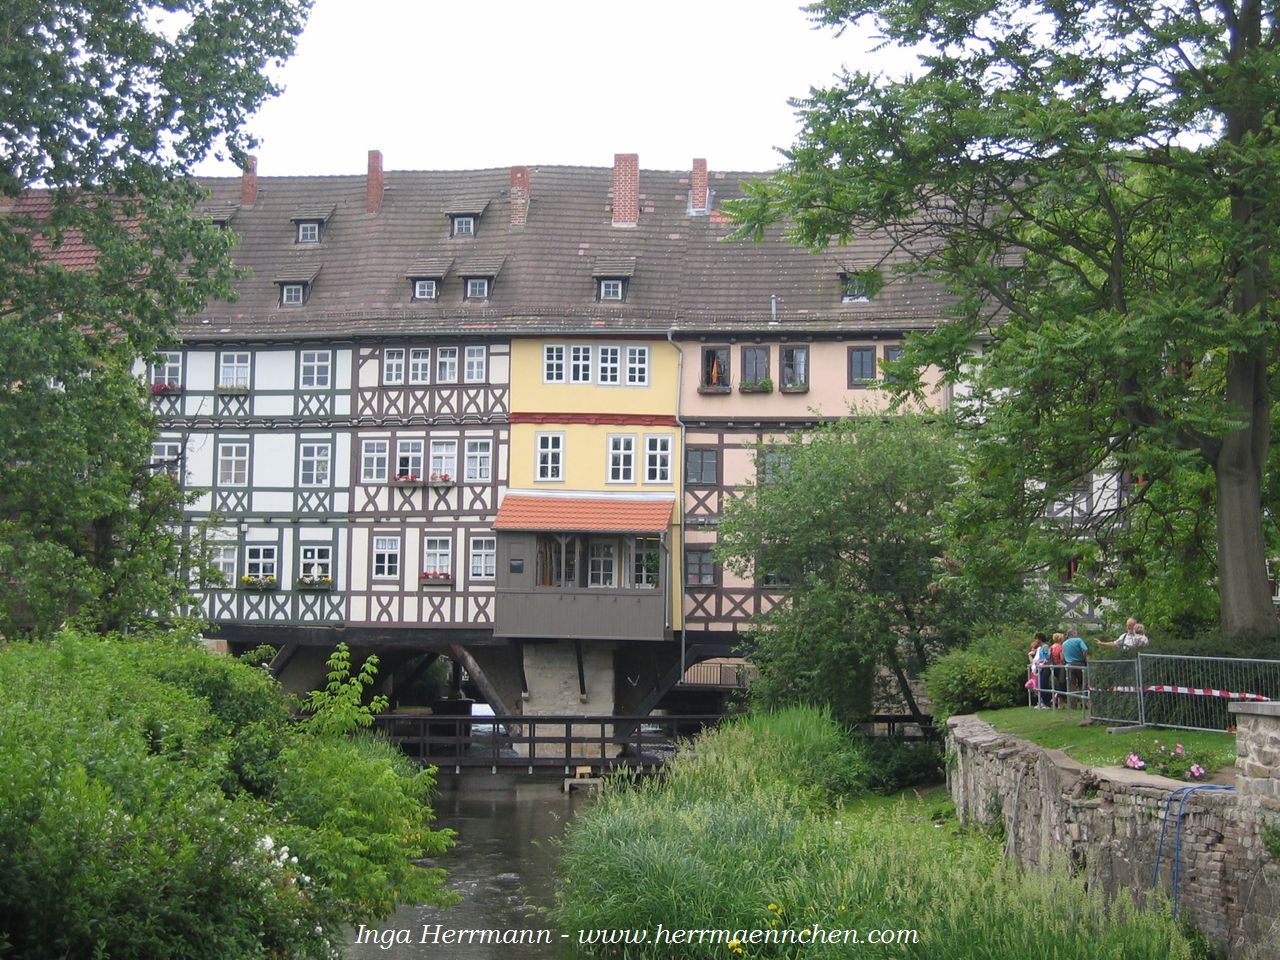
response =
{"points": [[464, 84]]}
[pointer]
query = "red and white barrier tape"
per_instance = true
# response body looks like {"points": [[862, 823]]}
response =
{"points": [[1194, 691]]}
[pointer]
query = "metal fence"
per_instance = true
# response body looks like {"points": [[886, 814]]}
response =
{"points": [[1063, 685], [1189, 693]]}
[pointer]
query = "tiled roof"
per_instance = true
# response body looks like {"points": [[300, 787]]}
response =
{"points": [[481, 266], [583, 514], [470, 206], [298, 274], [686, 277], [314, 211]]}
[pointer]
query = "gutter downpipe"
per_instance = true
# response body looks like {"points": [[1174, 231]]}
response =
{"points": [[678, 595]]}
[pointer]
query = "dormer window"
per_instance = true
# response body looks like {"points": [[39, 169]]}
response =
{"points": [[425, 289], [295, 285], [464, 226], [861, 286], [613, 276], [464, 215], [309, 222], [478, 275]]}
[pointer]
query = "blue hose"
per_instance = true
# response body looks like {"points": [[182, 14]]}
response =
{"points": [[1182, 793]]}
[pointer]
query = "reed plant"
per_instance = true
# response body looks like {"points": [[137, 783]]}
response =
{"points": [[742, 834]]}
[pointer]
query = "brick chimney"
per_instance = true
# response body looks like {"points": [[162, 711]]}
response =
{"points": [[249, 183], [519, 196], [626, 189], [698, 196], [373, 183]]}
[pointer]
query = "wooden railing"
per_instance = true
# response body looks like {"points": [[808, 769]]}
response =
{"points": [[602, 743]]}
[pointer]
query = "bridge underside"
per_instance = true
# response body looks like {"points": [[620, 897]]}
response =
{"points": [[532, 677]]}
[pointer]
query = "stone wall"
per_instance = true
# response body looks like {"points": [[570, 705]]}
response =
{"points": [[1106, 825]]}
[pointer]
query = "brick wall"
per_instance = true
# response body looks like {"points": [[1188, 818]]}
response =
{"points": [[1105, 824]]}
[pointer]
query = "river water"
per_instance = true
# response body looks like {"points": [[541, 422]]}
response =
{"points": [[504, 867]]}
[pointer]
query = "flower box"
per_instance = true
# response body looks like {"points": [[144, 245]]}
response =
{"points": [[720, 388], [798, 388], [441, 480], [166, 389], [314, 584], [231, 390], [756, 386], [435, 580], [258, 583], [407, 480]]}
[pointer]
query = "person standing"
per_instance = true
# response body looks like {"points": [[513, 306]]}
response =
{"points": [[1041, 669], [1057, 672], [1075, 656], [1127, 640]]}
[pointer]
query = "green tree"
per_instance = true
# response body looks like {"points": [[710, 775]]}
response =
{"points": [[1098, 181], [104, 108], [867, 592]]}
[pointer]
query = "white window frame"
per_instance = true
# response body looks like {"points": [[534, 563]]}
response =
{"points": [[292, 294], [230, 454], [611, 290], [479, 461], [410, 458], [166, 455], [550, 446], [553, 363], [580, 365], [444, 459], [386, 558], [319, 455], [484, 558], [476, 364], [437, 555], [637, 366], [316, 369], [477, 288], [308, 231], [424, 289], [657, 458], [315, 560], [446, 364], [620, 466], [464, 226], [235, 368], [609, 365], [224, 558], [639, 573], [602, 559], [393, 366], [420, 365], [168, 372], [375, 457], [261, 560]]}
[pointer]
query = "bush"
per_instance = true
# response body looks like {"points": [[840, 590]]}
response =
{"points": [[987, 674], [146, 791], [894, 764]]}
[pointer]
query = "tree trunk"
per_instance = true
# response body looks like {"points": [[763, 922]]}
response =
{"points": [[1247, 609]]}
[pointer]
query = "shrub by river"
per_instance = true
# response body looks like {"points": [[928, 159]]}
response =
{"points": [[766, 826]]}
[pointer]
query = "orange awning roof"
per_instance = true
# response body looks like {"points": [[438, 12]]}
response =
{"points": [[583, 514]]}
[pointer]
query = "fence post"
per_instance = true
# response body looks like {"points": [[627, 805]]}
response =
{"points": [[1137, 669]]}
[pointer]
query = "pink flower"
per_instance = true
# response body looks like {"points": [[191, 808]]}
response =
{"points": [[1178, 751], [1135, 762], [1196, 772]]}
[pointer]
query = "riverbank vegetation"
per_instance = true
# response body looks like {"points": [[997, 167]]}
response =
{"points": [[766, 824], [157, 800]]}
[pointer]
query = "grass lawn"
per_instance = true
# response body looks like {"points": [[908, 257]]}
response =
{"points": [[1093, 746]]}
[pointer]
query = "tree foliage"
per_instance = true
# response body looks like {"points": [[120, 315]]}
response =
{"points": [[104, 107], [868, 593], [155, 801], [1098, 180]]}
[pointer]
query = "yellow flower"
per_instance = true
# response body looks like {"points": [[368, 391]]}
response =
{"points": [[736, 946]]}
